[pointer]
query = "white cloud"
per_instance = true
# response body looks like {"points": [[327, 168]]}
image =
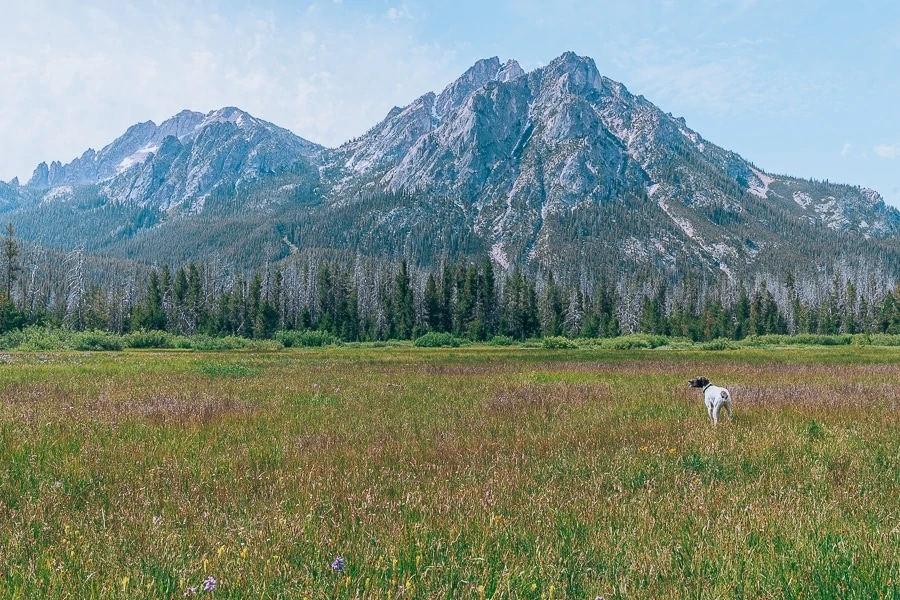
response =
{"points": [[719, 80], [397, 14], [77, 76], [846, 150], [888, 150]]}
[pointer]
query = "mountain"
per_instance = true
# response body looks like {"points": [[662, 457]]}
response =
{"points": [[558, 169], [390, 141], [182, 161]]}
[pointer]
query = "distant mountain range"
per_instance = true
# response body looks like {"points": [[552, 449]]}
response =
{"points": [[558, 169]]}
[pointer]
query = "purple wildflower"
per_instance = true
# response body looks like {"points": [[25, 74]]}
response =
{"points": [[338, 564], [209, 585]]}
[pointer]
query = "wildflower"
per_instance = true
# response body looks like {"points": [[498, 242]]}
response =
{"points": [[644, 448], [209, 585], [190, 591], [338, 564], [671, 451]]}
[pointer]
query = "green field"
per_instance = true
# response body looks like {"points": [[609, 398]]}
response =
{"points": [[449, 473]]}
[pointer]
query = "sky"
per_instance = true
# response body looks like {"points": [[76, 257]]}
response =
{"points": [[805, 88]]}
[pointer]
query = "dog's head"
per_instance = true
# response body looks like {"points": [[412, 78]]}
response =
{"points": [[699, 382]]}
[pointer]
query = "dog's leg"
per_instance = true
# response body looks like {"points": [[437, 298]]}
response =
{"points": [[728, 408], [716, 410], [709, 409]]}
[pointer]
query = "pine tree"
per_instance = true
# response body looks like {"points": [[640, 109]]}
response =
{"points": [[11, 253], [433, 317], [404, 303]]}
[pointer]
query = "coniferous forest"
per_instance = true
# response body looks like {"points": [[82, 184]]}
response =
{"points": [[371, 301]]}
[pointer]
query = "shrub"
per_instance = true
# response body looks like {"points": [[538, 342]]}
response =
{"points": [[432, 339], [884, 339], [96, 340], [800, 339], [559, 343], [636, 341], [501, 340], [36, 339], [719, 344], [148, 339], [305, 339]]}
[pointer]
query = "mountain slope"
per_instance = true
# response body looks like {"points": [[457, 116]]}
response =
{"points": [[560, 168], [182, 161], [563, 136]]}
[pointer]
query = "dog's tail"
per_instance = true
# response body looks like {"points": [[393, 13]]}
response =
{"points": [[724, 395]]}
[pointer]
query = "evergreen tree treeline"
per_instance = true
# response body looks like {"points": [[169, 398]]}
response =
{"points": [[366, 302], [467, 300]]}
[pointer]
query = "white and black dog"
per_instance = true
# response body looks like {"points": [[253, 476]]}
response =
{"points": [[715, 397]]}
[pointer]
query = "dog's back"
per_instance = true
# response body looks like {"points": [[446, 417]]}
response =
{"points": [[714, 396]]}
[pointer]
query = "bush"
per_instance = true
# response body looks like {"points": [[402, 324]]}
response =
{"points": [[800, 339], [148, 339], [558, 343], [432, 339], [36, 339], [305, 339], [719, 344], [501, 340], [96, 340], [884, 339], [636, 341]]}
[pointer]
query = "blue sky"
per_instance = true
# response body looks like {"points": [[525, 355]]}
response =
{"points": [[805, 88]]}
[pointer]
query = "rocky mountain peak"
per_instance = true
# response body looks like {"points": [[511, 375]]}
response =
{"points": [[40, 178], [475, 77], [230, 114], [390, 139], [509, 71], [574, 74], [181, 125]]}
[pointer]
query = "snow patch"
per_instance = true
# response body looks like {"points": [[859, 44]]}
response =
{"points": [[499, 255], [634, 247], [137, 158], [832, 213], [61, 191], [803, 199], [652, 189], [760, 189], [686, 226], [228, 115], [688, 134], [294, 249], [871, 195]]}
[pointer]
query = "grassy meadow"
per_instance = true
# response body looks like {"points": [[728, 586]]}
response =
{"points": [[449, 473]]}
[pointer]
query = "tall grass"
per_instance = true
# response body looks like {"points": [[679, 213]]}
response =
{"points": [[449, 473]]}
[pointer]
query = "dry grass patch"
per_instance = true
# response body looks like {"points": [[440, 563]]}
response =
{"points": [[168, 407], [558, 397]]}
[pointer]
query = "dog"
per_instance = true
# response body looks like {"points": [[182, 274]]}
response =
{"points": [[715, 397]]}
